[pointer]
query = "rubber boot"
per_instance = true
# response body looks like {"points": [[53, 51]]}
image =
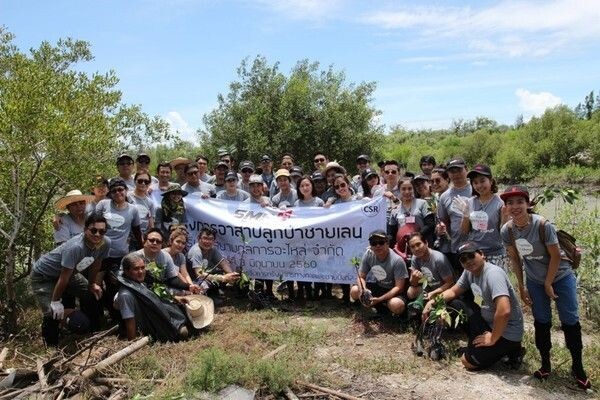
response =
{"points": [[50, 331], [543, 344], [574, 344]]}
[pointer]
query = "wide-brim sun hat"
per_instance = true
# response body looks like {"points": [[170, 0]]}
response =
{"points": [[73, 196], [179, 161], [174, 188], [200, 310]]}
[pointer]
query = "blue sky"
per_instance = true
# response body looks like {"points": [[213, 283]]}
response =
{"points": [[433, 61]]}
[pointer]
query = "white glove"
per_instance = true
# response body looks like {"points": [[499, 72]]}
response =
{"points": [[462, 204], [58, 310]]}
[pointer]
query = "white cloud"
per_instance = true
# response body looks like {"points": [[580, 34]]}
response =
{"points": [[506, 29], [180, 127], [536, 103], [303, 9]]}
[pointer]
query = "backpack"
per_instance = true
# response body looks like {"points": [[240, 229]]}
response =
{"points": [[566, 242]]}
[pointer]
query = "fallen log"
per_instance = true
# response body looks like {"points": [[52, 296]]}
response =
{"points": [[328, 391], [90, 342], [115, 358], [3, 355], [41, 374]]}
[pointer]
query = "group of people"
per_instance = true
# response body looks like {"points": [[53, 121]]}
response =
{"points": [[448, 233]]}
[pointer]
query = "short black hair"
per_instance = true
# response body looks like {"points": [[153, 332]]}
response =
{"points": [[207, 231], [93, 218], [163, 164], [153, 230], [427, 160]]}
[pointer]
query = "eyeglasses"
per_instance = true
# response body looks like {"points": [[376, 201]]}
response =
{"points": [[341, 185], [375, 243], [96, 231], [117, 190], [319, 160], [143, 181], [155, 241], [466, 257], [191, 173], [360, 162], [390, 171]]}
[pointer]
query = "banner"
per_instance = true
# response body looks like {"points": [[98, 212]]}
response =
{"points": [[312, 244]]}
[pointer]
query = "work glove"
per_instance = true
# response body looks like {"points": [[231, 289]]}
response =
{"points": [[58, 310]]}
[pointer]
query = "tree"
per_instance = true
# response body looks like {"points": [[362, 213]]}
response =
{"points": [[58, 127], [308, 111]]}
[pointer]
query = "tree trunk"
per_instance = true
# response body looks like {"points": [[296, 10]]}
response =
{"points": [[11, 296]]}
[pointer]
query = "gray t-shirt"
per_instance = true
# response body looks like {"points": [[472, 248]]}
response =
{"points": [[239, 195], [314, 202], [67, 229], [385, 272], [434, 270], [73, 253], [202, 188], [162, 267], [263, 199], [287, 200], [120, 221], [485, 225], [205, 261], [536, 258], [146, 209], [416, 214], [490, 284], [178, 260], [447, 210]]}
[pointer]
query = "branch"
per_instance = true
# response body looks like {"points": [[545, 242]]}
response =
{"points": [[115, 358]]}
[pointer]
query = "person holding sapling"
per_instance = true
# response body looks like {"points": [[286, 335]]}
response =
{"points": [[532, 242], [383, 274], [495, 322], [430, 272]]}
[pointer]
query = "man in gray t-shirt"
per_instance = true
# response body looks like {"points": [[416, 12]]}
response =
{"points": [[495, 325], [382, 276], [207, 262], [57, 273]]}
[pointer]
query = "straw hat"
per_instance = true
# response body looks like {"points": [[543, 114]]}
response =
{"points": [[72, 197], [178, 161], [200, 310]]}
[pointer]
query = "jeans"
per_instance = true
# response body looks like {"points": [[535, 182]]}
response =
{"points": [[566, 303]]}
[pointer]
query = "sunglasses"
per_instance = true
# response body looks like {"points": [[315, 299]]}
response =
{"points": [[96, 231], [125, 163], [143, 181], [380, 242], [191, 173], [391, 171], [466, 257], [155, 241], [318, 160], [117, 190], [247, 171], [341, 185]]}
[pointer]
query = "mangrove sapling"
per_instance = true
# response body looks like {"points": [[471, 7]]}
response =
{"points": [[366, 297]]}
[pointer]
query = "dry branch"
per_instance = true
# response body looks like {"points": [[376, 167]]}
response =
{"points": [[3, 355], [41, 374], [271, 354], [118, 356], [328, 391], [289, 394]]}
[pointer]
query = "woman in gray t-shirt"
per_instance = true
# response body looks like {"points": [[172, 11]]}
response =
{"points": [[528, 237]]}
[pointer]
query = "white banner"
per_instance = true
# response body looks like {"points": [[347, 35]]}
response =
{"points": [[311, 244]]}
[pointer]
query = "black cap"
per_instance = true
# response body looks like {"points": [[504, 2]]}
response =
{"points": [[247, 165], [117, 182], [367, 173], [421, 178], [363, 157], [222, 164], [142, 156], [380, 233], [317, 176], [468, 247], [124, 156], [231, 175], [456, 163], [265, 157], [480, 169], [295, 171]]}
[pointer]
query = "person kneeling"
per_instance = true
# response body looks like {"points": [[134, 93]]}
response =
{"points": [[141, 309], [382, 276], [495, 326]]}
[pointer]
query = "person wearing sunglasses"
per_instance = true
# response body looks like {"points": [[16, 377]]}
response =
{"points": [[381, 281], [171, 210], [55, 274], [160, 268], [125, 168], [320, 161], [495, 321], [532, 245], [363, 162], [195, 185], [449, 213], [343, 191], [144, 203]]}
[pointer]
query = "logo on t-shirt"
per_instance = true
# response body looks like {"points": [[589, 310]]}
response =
{"points": [[378, 272], [427, 274], [84, 263], [143, 211], [477, 294], [114, 220], [524, 247]]}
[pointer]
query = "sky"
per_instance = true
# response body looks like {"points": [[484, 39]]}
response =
{"points": [[433, 61]]}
